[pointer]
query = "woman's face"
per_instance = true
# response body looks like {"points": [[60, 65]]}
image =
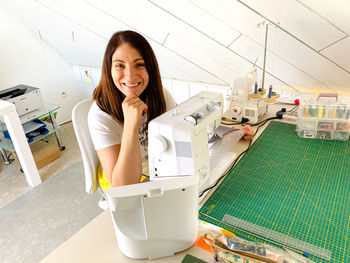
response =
{"points": [[129, 71]]}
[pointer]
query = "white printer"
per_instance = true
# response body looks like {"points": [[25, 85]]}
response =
{"points": [[26, 98]]}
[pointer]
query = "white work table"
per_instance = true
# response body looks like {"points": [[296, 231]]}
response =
{"points": [[96, 242]]}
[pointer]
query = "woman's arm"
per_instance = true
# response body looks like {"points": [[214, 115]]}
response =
{"points": [[122, 163]]}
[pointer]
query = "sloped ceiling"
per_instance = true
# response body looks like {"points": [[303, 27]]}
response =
{"points": [[308, 44]]}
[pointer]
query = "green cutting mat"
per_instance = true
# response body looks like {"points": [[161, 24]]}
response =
{"points": [[297, 187]]}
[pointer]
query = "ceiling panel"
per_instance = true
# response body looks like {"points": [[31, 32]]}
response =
{"points": [[274, 64], [305, 59], [144, 18], [336, 12], [276, 83], [165, 23], [340, 53], [298, 20], [188, 34], [291, 50], [170, 71], [199, 19], [194, 39], [183, 69], [209, 48], [167, 69], [85, 15], [76, 54], [90, 54], [235, 15], [200, 59]]}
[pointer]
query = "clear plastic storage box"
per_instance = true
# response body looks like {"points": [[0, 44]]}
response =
{"points": [[324, 118]]}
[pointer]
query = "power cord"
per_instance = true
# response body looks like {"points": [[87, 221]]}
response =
{"points": [[279, 115], [262, 123], [287, 115], [222, 176]]}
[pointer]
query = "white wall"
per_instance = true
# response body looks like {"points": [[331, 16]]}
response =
{"points": [[25, 59], [86, 79]]}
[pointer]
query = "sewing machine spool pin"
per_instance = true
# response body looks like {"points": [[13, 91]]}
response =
{"points": [[270, 92], [270, 98], [256, 87], [256, 95]]}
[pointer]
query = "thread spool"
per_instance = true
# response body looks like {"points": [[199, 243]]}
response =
{"points": [[325, 111], [341, 111], [333, 112], [313, 111], [348, 114], [320, 112]]}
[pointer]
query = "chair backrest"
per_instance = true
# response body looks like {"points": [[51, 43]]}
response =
{"points": [[88, 153]]}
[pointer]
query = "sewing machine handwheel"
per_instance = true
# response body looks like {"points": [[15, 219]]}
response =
{"points": [[159, 143]]}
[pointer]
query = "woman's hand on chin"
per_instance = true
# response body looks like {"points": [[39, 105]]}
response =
{"points": [[133, 109]]}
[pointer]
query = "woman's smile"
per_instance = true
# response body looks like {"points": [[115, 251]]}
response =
{"points": [[129, 72]]}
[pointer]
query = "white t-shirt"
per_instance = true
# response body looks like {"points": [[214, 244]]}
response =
{"points": [[106, 131]]}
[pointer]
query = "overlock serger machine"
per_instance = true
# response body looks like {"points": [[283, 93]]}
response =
{"points": [[246, 99], [159, 218]]}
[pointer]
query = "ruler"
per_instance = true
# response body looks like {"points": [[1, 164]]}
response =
{"points": [[277, 237]]}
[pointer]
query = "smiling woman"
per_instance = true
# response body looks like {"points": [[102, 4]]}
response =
{"points": [[129, 95], [129, 70]]}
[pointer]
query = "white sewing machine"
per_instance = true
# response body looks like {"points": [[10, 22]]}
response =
{"points": [[159, 218], [178, 139], [242, 105]]}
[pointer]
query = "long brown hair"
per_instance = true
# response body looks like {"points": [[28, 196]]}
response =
{"points": [[107, 95]]}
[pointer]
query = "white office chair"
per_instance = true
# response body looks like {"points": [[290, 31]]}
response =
{"points": [[88, 152]]}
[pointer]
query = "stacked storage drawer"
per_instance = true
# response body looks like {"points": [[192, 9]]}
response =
{"points": [[330, 121]]}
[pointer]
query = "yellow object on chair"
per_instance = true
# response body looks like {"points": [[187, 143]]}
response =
{"points": [[104, 183]]}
